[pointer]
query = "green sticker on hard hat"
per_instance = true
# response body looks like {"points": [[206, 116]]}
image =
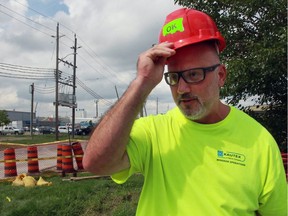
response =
{"points": [[173, 26]]}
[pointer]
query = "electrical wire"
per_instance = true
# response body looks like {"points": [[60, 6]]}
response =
{"points": [[43, 15], [24, 72], [94, 56], [37, 73], [25, 23], [93, 93], [20, 72], [104, 67], [47, 17], [53, 30], [44, 90], [34, 71], [20, 67]]}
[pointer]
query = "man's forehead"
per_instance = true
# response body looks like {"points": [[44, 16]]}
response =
{"points": [[194, 51]]}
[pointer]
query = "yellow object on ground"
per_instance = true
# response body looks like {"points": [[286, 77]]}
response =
{"points": [[29, 181], [42, 182], [18, 182]]}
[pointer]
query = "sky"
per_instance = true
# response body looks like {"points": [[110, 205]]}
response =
{"points": [[110, 36]]}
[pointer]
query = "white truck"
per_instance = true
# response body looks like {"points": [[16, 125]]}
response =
{"points": [[10, 130]]}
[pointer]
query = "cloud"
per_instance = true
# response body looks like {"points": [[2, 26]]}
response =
{"points": [[111, 35], [9, 95]]}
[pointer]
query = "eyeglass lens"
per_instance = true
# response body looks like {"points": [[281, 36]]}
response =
{"points": [[190, 76]]}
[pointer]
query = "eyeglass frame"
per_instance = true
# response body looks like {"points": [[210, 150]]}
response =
{"points": [[180, 74]]}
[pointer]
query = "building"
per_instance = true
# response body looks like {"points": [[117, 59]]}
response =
{"points": [[20, 119]]}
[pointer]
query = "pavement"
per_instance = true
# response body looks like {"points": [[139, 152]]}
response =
{"points": [[47, 157]]}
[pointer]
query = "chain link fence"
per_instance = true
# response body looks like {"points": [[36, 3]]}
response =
{"points": [[47, 158]]}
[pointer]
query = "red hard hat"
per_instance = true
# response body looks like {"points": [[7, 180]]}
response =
{"points": [[188, 26]]}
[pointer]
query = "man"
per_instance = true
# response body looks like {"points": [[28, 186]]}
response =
{"points": [[202, 157]]}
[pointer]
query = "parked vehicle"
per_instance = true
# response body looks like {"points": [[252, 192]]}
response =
{"points": [[10, 130], [64, 129], [27, 129], [46, 130], [83, 130]]}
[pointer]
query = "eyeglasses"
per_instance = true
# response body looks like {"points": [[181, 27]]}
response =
{"points": [[193, 75]]}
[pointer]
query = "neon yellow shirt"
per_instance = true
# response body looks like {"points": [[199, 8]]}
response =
{"points": [[232, 167]]}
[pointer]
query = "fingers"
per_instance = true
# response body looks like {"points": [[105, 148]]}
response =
{"points": [[151, 63], [161, 51], [157, 55]]}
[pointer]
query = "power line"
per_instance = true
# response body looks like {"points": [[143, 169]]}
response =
{"points": [[45, 16], [37, 73], [25, 23], [44, 90], [105, 68], [21, 73], [93, 93], [66, 77], [28, 18], [27, 68], [31, 20], [94, 56], [97, 70], [24, 72]]}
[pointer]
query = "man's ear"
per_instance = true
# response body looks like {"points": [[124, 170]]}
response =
{"points": [[222, 74]]}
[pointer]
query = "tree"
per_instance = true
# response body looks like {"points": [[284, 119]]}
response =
{"points": [[255, 56], [4, 120]]}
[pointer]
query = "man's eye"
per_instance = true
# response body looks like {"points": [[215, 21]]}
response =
{"points": [[173, 77], [192, 74]]}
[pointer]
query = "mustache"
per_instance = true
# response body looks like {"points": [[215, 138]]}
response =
{"points": [[187, 96]]}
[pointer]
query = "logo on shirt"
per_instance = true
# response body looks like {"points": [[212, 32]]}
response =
{"points": [[231, 157]]}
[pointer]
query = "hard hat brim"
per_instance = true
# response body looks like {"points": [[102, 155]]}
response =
{"points": [[194, 40]]}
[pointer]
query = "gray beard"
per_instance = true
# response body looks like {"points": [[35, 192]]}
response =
{"points": [[195, 115]]}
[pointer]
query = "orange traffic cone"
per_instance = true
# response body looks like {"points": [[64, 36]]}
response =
{"points": [[32, 155], [78, 153], [10, 163]]}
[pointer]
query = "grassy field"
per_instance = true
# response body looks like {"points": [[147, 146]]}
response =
{"points": [[80, 198], [35, 139]]}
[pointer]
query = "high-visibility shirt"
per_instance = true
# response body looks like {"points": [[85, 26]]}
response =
{"points": [[232, 167]]}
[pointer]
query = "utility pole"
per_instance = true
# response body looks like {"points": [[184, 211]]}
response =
{"points": [[157, 106], [96, 102], [74, 86], [57, 80], [31, 114], [116, 92], [35, 111]]}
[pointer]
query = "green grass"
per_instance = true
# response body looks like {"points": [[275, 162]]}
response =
{"points": [[39, 138], [91, 197], [80, 198]]}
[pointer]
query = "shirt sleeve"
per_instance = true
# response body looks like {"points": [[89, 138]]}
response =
{"points": [[136, 150], [273, 199]]}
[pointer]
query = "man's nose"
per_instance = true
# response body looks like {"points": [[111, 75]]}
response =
{"points": [[183, 87]]}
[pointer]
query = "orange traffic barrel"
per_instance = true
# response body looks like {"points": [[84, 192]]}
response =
{"points": [[59, 157], [32, 156], [78, 154], [67, 159], [10, 163], [285, 160]]}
